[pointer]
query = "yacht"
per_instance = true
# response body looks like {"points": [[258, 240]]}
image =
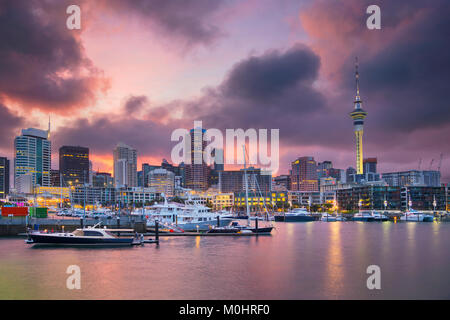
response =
{"points": [[416, 216], [235, 227], [378, 216], [363, 216], [90, 236], [295, 215], [187, 217], [328, 217]]}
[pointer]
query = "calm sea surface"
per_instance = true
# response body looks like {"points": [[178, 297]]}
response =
{"points": [[314, 260]]}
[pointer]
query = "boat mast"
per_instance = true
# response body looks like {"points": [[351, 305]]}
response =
{"points": [[246, 186]]}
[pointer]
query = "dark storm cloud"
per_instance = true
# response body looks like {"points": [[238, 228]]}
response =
{"points": [[42, 63], [102, 134], [135, 104], [9, 126], [404, 73], [188, 19], [272, 91]]}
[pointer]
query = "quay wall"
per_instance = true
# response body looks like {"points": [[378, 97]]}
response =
{"points": [[14, 226]]}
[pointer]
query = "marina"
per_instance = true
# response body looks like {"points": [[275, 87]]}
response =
{"points": [[313, 260]]}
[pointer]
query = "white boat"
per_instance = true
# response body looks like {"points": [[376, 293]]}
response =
{"points": [[328, 217], [295, 215], [340, 217], [416, 216], [378, 216], [363, 216], [190, 216]]}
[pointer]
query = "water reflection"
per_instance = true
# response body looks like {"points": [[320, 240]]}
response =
{"points": [[334, 273]]}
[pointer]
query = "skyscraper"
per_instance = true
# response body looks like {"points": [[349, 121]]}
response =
{"points": [[197, 170], [74, 165], [304, 175], [4, 177], [33, 156], [358, 115], [125, 166]]}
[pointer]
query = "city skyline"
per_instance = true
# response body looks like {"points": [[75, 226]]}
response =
{"points": [[206, 69]]}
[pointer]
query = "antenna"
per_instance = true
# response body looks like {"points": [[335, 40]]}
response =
{"points": [[420, 163], [431, 163], [357, 76]]}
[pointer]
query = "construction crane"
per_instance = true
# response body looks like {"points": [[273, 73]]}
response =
{"points": [[431, 163], [440, 162]]}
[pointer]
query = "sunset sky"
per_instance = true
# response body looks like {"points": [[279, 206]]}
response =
{"points": [[139, 69]]}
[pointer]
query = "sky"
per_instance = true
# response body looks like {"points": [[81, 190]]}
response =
{"points": [[137, 70]]}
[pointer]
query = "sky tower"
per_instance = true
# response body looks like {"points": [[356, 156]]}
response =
{"points": [[358, 115]]}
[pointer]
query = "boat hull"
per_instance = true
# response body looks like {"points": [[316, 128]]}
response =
{"points": [[364, 219], [85, 241], [283, 218], [202, 225]]}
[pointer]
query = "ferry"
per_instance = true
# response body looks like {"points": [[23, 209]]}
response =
{"points": [[295, 215], [90, 236]]}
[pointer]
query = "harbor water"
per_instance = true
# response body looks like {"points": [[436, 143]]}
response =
{"points": [[312, 260]]}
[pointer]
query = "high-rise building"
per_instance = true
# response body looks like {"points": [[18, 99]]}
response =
{"points": [[4, 177], [125, 166], [197, 171], [304, 175], [74, 165], [162, 181], [323, 168], [33, 156], [370, 165], [358, 115]]}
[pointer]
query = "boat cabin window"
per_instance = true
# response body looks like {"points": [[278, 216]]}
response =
{"points": [[89, 233]]}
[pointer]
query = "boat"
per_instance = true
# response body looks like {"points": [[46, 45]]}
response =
{"points": [[328, 217], [363, 216], [378, 216], [235, 227], [295, 215], [416, 216], [340, 217], [90, 236], [190, 216]]}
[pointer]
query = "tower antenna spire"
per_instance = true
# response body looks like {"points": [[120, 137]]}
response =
{"points": [[357, 78]]}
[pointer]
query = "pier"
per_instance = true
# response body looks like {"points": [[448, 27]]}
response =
{"points": [[13, 226]]}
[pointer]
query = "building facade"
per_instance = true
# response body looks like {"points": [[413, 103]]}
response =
{"points": [[125, 166], [197, 170], [304, 175], [162, 181], [32, 157], [413, 178], [74, 165], [4, 177]]}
